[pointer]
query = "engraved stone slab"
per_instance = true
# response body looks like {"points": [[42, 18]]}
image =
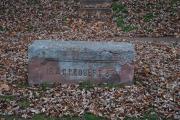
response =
{"points": [[95, 10], [77, 61], [97, 13], [96, 3]]}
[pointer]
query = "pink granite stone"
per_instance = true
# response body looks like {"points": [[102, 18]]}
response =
{"points": [[127, 72], [73, 62]]}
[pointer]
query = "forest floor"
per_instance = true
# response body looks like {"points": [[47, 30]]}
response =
{"points": [[152, 26]]}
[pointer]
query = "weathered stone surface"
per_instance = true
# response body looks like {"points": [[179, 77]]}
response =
{"points": [[96, 3], [96, 13], [95, 10], [76, 61]]}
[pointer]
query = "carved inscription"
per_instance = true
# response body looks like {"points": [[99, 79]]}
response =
{"points": [[82, 72], [73, 72], [70, 62]]}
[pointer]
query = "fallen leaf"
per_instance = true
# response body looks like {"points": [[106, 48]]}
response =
{"points": [[4, 87]]}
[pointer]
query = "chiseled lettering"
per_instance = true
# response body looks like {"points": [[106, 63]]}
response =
{"points": [[63, 71], [70, 72], [89, 72], [99, 72], [80, 72], [85, 72], [74, 72], [94, 71]]}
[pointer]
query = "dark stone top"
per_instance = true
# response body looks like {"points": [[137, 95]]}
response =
{"points": [[81, 50]]}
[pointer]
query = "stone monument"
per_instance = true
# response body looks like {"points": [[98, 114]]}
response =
{"points": [[51, 61], [95, 9]]}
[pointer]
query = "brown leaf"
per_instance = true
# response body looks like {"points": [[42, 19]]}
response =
{"points": [[4, 87]]}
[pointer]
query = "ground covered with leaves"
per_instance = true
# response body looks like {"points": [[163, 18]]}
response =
{"points": [[157, 71]]}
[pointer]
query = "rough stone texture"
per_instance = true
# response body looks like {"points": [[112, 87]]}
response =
{"points": [[96, 3], [95, 9], [96, 13], [75, 61]]}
